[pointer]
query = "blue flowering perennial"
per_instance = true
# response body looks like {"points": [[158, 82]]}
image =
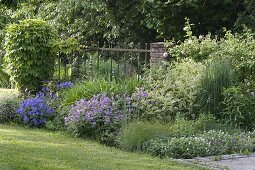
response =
{"points": [[64, 85], [99, 109], [34, 111]]}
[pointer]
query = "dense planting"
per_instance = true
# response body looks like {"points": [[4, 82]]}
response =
{"points": [[201, 104], [210, 143]]}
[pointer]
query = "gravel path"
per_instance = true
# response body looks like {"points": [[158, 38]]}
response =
{"points": [[227, 162]]}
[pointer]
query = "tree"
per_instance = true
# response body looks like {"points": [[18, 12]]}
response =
{"points": [[247, 17], [168, 16]]}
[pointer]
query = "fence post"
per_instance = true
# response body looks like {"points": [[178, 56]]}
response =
{"points": [[158, 53]]}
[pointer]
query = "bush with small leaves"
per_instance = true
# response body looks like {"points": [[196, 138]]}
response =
{"points": [[8, 107], [206, 144], [29, 47]]}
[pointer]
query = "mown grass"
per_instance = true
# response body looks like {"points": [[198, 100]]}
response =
{"points": [[7, 92], [23, 148]]}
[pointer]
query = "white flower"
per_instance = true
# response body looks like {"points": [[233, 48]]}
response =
{"points": [[201, 37]]}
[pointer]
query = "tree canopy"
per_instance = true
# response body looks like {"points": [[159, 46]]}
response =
{"points": [[134, 20]]}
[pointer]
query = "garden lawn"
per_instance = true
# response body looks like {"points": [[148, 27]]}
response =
{"points": [[24, 148], [7, 92]]}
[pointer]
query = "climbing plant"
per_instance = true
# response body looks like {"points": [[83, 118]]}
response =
{"points": [[29, 54]]}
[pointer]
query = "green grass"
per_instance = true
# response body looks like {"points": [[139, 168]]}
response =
{"points": [[22, 148], [7, 92]]}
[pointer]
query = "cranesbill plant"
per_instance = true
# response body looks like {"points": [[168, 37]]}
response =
{"points": [[99, 117], [35, 111]]}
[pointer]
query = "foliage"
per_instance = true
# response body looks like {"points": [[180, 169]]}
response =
{"points": [[66, 49], [204, 123], [217, 75], [238, 48], [4, 20], [135, 21], [207, 144], [86, 89], [8, 107], [53, 95], [135, 135], [99, 117], [97, 65], [198, 48], [246, 17], [29, 53], [4, 78], [170, 93], [239, 106], [77, 19], [167, 17]]}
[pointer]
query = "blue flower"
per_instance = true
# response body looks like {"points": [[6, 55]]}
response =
{"points": [[34, 111], [99, 110], [64, 85]]}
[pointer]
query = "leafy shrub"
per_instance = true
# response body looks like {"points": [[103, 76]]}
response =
{"points": [[238, 48], [182, 127], [217, 76], [209, 143], [135, 135], [8, 107], [170, 95], [29, 53], [239, 109], [197, 48], [99, 118]]}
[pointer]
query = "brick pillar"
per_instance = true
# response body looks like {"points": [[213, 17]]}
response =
{"points": [[158, 53]]}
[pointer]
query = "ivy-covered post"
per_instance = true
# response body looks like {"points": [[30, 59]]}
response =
{"points": [[30, 54], [158, 53]]}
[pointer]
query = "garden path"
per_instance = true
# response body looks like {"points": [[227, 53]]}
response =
{"points": [[227, 162]]}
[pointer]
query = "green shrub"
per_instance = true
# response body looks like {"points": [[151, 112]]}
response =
{"points": [[170, 93], [197, 48], [204, 123], [29, 53], [238, 48], [207, 144], [239, 109], [135, 135], [8, 108]]}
